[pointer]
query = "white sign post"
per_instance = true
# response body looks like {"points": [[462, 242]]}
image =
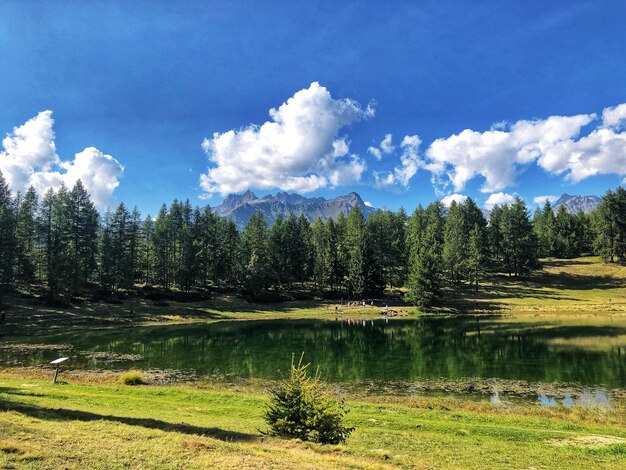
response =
{"points": [[58, 362]]}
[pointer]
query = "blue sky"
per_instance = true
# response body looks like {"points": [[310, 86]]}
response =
{"points": [[141, 85]]}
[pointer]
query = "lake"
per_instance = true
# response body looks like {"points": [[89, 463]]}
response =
{"points": [[348, 351]]}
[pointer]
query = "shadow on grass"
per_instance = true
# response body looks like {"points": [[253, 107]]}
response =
{"points": [[62, 414]]}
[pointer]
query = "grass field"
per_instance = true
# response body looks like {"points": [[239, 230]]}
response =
{"points": [[578, 287], [93, 422], [581, 285], [105, 425]]}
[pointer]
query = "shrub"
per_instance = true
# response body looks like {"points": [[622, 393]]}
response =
{"points": [[133, 377], [302, 407]]}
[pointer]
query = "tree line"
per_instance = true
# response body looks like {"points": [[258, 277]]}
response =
{"points": [[62, 243]]}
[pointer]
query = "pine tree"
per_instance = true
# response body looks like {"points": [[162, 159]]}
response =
{"points": [[161, 244], [519, 243], [301, 263], [146, 251], [84, 233], [7, 235], [494, 233], [60, 253], [426, 262], [120, 247], [610, 226], [188, 248], [320, 246], [476, 255], [228, 269], [354, 240], [105, 250], [455, 244], [279, 251], [26, 238], [544, 225], [396, 266], [255, 253]]}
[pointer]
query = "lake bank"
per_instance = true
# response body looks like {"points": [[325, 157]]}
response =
{"points": [[216, 425], [581, 287]]}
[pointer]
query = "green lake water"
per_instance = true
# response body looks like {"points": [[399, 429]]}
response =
{"points": [[394, 350]]}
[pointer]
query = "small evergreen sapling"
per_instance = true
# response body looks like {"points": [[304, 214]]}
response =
{"points": [[302, 407]]}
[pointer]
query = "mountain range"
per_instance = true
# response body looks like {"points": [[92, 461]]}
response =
{"points": [[574, 204], [240, 207]]}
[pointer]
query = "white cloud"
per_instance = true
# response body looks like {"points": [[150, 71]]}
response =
{"points": [[540, 200], [299, 149], [376, 152], [368, 204], [614, 117], [447, 200], [495, 154], [555, 144], [30, 158], [499, 199], [386, 147], [28, 149], [409, 164]]}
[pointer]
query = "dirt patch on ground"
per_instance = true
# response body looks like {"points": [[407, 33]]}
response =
{"points": [[112, 357], [35, 347], [588, 442], [197, 447]]}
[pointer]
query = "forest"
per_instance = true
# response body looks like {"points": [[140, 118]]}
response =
{"points": [[61, 245]]}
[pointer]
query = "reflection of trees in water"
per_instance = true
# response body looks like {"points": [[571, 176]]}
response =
{"points": [[399, 350]]}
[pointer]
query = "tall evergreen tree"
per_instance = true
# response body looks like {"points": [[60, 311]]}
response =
{"points": [[7, 235], [455, 243], [518, 239], [425, 279], [26, 239], [255, 255], [355, 247], [544, 225], [84, 233]]}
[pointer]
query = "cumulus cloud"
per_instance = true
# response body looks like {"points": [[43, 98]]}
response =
{"points": [[410, 162], [30, 159], [459, 198], [555, 144], [375, 152], [494, 154], [499, 199], [299, 149], [614, 117], [540, 200], [368, 204], [386, 147]]}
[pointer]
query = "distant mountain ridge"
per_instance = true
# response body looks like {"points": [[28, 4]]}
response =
{"points": [[240, 207], [575, 204]]}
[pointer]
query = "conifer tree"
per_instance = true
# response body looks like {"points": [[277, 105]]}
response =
{"points": [[518, 239], [255, 255], [26, 239], [84, 233], [7, 234], [354, 241], [425, 279], [476, 256]]}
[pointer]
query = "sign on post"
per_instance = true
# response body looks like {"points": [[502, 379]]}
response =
{"points": [[58, 362]]}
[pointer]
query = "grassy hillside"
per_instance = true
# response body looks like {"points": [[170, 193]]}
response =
{"points": [[561, 287], [104, 425]]}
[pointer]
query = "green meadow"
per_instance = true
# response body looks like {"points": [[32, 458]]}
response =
{"points": [[91, 421]]}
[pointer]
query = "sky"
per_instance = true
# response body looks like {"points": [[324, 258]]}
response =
{"points": [[402, 102]]}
